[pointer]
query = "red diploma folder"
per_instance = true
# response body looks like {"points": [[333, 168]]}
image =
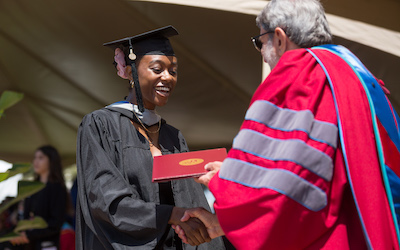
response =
{"points": [[184, 165]]}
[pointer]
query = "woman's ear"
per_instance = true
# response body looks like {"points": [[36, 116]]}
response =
{"points": [[121, 67]]}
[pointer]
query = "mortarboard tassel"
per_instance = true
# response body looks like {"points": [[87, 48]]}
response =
{"points": [[135, 77]]}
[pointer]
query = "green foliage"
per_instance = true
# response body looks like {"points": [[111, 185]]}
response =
{"points": [[25, 189], [8, 99], [3, 176], [8, 236], [17, 168], [35, 223]]}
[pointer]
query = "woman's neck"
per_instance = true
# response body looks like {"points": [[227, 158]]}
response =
{"points": [[44, 177], [131, 97]]}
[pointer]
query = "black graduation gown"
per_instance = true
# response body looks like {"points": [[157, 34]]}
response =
{"points": [[50, 204], [118, 205]]}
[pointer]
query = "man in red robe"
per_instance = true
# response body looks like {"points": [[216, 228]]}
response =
{"points": [[316, 162]]}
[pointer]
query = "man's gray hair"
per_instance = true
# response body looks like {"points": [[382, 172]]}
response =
{"points": [[303, 21]]}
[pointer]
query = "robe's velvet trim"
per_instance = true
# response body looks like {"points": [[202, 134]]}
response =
{"points": [[280, 180], [380, 111], [286, 120]]}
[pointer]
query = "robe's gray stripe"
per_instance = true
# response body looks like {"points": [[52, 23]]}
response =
{"points": [[293, 150], [282, 181], [290, 120]]}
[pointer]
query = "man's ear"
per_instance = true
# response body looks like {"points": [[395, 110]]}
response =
{"points": [[280, 41]]}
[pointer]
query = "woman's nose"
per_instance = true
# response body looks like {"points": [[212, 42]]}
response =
{"points": [[166, 76]]}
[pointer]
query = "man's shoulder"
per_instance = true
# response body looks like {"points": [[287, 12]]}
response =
{"points": [[293, 60], [303, 54]]}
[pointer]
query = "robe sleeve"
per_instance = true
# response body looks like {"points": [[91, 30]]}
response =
{"points": [[275, 188], [111, 207]]}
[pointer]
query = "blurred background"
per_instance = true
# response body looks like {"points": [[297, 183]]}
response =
{"points": [[51, 51]]}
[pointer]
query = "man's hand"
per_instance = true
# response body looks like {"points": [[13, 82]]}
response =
{"points": [[210, 221], [212, 168], [195, 231]]}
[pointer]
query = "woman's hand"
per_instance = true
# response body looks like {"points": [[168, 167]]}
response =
{"points": [[209, 220], [195, 231], [22, 239]]}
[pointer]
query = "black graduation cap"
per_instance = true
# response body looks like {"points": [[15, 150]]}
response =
{"points": [[154, 42]]}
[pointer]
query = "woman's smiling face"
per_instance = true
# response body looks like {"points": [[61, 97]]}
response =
{"points": [[157, 76]]}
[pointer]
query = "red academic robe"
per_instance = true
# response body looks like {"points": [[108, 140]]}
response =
{"points": [[285, 182]]}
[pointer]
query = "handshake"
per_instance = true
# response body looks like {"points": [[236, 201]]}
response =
{"points": [[197, 225]]}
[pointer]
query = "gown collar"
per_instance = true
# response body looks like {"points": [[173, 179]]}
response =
{"points": [[148, 117]]}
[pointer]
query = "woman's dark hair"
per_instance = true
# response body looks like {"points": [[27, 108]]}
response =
{"points": [[55, 167], [56, 174]]}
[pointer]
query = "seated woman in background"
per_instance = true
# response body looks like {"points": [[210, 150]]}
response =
{"points": [[49, 203]]}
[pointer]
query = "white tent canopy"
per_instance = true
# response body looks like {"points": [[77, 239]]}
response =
{"points": [[371, 35], [51, 50]]}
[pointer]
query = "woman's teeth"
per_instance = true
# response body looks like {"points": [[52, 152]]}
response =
{"points": [[163, 89]]}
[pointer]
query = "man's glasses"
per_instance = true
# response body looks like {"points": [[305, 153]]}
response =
{"points": [[256, 40]]}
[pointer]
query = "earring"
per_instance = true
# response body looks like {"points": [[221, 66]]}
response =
{"points": [[132, 84]]}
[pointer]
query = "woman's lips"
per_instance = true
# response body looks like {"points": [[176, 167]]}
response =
{"points": [[161, 90]]}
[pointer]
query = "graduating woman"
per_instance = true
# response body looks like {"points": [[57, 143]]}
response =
{"points": [[119, 207]]}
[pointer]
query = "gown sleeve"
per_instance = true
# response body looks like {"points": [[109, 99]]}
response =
{"points": [[111, 207]]}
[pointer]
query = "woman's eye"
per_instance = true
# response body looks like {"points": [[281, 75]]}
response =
{"points": [[157, 70]]}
